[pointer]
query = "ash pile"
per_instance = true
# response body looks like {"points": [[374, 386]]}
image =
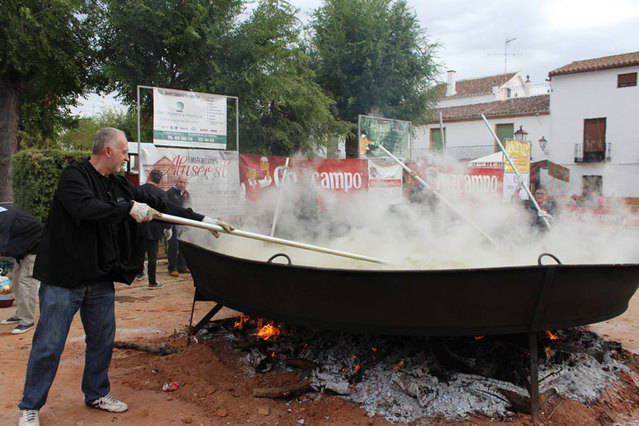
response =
{"points": [[405, 379]]}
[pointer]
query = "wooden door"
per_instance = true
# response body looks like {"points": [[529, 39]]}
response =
{"points": [[594, 139]]}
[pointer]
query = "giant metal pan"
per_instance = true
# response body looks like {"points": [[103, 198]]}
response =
{"points": [[448, 302]]}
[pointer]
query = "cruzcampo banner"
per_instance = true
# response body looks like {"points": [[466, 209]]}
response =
{"points": [[213, 181], [189, 119], [394, 135], [261, 173]]}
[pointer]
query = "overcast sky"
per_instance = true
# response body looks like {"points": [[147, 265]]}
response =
{"points": [[545, 34]]}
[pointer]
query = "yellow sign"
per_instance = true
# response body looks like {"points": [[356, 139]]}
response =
{"points": [[519, 153]]}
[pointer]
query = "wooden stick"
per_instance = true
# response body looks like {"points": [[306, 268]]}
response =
{"points": [[162, 350], [283, 391], [265, 238]]}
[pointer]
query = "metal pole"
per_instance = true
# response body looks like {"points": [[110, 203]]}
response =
{"points": [[441, 131], [519, 178], [279, 197], [439, 196], [237, 124], [534, 378], [246, 234]]}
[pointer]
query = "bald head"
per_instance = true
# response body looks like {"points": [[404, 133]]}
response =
{"points": [[110, 150], [107, 136]]}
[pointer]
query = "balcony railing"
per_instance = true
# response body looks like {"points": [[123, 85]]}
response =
{"points": [[582, 156]]}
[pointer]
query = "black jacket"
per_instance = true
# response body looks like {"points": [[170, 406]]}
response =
{"points": [[20, 232], [89, 236], [153, 230], [174, 196]]}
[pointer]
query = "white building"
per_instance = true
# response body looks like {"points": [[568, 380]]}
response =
{"points": [[595, 112], [509, 103]]}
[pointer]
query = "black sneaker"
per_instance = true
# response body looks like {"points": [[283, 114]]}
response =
{"points": [[22, 329], [155, 285], [10, 320]]}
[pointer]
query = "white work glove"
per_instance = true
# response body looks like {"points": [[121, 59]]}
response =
{"points": [[542, 213], [168, 233], [142, 212], [218, 222]]}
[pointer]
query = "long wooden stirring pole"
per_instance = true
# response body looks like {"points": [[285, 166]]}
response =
{"points": [[439, 196], [245, 234]]}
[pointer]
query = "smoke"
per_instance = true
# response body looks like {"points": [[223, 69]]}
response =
{"points": [[435, 231]]}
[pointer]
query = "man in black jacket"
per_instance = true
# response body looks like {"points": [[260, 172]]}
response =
{"points": [[20, 234], [178, 195], [89, 242], [152, 232]]}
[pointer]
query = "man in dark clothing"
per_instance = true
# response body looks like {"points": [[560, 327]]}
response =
{"points": [[20, 234], [177, 195], [152, 232], [89, 241], [547, 206]]}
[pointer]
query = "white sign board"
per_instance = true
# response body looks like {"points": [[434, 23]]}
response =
{"points": [[213, 176], [189, 119]]}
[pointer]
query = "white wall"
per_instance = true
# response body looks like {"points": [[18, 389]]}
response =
{"points": [[475, 133], [576, 97]]}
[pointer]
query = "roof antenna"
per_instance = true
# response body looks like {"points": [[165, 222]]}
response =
{"points": [[508, 40]]}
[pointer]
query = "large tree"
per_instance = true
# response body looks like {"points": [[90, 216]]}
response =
{"points": [[174, 44], [373, 57], [203, 46], [282, 109], [46, 61]]}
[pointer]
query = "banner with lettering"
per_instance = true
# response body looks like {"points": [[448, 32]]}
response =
{"points": [[193, 119], [472, 180], [260, 173], [385, 179], [519, 153], [213, 181]]}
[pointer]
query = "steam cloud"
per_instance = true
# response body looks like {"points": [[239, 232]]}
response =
{"points": [[426, 235]]}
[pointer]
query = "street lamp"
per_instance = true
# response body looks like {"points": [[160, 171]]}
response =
{"points": [[543, 143], [520, 134]]}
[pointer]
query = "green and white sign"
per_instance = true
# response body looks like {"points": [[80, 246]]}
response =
{"points": [[394, 135], [189, 119]]}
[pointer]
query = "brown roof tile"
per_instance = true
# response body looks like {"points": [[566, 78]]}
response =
{"points": [[478, 86], [509, 108], [606, 62]]}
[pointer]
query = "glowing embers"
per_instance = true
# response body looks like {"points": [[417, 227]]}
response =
{"points": [[268, 332], [551, 335]]}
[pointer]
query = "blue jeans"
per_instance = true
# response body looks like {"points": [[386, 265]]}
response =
{"points": [[58, 306]]}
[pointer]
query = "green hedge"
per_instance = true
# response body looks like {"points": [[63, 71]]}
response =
{"points": [[35, 175]]}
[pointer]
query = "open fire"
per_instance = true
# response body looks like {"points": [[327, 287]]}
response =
{"points": [[407, 378]]}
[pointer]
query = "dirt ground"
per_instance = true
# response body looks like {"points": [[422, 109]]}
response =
{"points": [[214, 388]]}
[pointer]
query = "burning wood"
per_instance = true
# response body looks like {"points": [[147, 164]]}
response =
{"points": [[408, 378]]}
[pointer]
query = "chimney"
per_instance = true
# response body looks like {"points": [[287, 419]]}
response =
{"points": [[450, 85]]}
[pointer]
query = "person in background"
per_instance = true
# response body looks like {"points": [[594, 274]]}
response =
{"points": [[89, 241], [20, 234], [152, 232], [179, 196], [546, 204]]}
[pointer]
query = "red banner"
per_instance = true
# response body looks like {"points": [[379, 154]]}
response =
{"points": [[259, 173]]}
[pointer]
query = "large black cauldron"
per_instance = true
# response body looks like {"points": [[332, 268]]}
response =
{"points": [[416, 302]]}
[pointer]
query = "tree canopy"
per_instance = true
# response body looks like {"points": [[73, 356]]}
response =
{"points": [[46, 60], [373, 57], [282, 109]]}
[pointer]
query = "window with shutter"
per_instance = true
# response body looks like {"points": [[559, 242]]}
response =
{"points": [[504, 131], [627, 80], [594, 139], [436, 140]]}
